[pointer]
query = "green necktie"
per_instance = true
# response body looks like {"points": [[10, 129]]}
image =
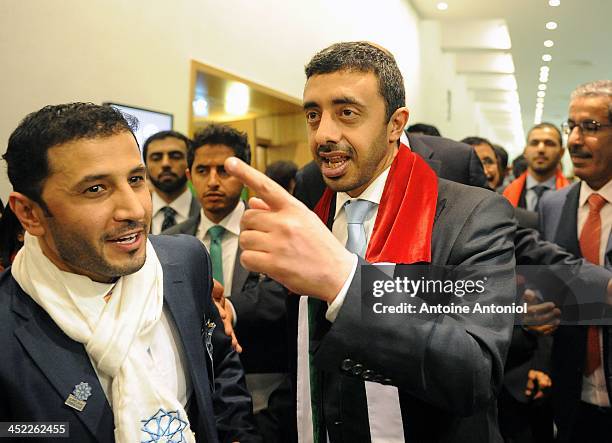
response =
{"points": [[216, 255]]}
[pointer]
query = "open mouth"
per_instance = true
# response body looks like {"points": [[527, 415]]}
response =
{"points": [[334, 164], [126, 240]]}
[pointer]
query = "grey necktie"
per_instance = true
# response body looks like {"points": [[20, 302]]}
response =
{"points": [[356, 211], [169, 217], [539, 191]]}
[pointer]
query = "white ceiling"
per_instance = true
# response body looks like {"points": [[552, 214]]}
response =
{"points": [[474, 31]]}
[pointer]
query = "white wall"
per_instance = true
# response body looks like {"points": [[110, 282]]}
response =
{"points": [[138, 52], [438, 77]]}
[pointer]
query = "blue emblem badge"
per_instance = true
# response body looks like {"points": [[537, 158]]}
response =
{"points": [[82, 391], [164, 427], [79, 396]]}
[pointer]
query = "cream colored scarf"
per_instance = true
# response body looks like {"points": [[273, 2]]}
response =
{"points": [[143, 408]]}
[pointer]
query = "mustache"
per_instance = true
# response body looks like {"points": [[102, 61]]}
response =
{"points": [[576, 150], [130, 225], [334, 147]]}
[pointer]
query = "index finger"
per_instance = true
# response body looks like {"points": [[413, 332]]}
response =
{"points": [[266, 189]]}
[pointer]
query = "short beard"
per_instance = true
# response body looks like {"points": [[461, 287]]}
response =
{"points": [[170, 187], [545, 169], [80, 254]]}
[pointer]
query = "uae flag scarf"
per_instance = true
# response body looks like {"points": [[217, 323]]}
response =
{"points": [[402, 235]]}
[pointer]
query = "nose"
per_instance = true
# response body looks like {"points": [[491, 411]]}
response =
{"points": [[541, 147], [213, 178], [575, 137], [129, 204], [165, 162], [328, 130]]}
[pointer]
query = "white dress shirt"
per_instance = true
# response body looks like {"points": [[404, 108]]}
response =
{"points": [[594, 389], [181, 205], [229, 243], [372, 193], [531, 198]]}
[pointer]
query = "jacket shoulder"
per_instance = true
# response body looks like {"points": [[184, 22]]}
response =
{"points": [[189, 226], [179, 248]]}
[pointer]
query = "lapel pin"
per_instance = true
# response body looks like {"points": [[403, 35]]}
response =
{"points": [[79, 396]]}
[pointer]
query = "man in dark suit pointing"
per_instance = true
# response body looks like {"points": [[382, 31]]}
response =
{"points": [[397, 378]]}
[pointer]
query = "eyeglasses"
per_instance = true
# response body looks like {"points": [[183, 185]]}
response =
{"points": [[586, 126]]}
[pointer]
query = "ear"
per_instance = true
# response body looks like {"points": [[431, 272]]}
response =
{"points": [[397, 123], [28, 212], [188, 174]]}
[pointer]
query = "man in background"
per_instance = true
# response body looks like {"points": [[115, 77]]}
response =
{"points": [[543, 152], [485, 151], [258, 302], [579, 218], [165, 155]]}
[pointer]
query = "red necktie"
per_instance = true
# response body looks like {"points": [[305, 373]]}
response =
{"points": [[590, 242]]}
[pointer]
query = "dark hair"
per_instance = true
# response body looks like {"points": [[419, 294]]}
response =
{"points": [[10, 228], [473, 141], [282, 172], [216, 134], [423, 128], [502, 156], [519, 165], [363, 57], [28, 145], [160, 136], [547, 125]]}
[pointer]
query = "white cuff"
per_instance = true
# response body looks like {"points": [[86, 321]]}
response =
{"points": [[334, 307]]}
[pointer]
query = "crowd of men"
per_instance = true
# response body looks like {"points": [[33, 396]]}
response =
{"points": [[151, 302]]}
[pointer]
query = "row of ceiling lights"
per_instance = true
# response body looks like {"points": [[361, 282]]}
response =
{"points": [[545, 69]]}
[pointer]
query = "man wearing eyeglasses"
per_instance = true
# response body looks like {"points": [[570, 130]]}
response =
{"points": [[579, 218]]}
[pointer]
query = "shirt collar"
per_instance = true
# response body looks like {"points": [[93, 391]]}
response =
{"points": [[532, 182], [231, 222], [372, 193], [585, 192], [181, 204]]}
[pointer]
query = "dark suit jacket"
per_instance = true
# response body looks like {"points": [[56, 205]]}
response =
{"points": [[451, 160], [41, 365], [558, 216], [448, 369], [260, 305]]}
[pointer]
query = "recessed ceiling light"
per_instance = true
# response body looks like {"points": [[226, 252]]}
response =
{"points": [[542, 87], [549, 43], [545, 69], [546, 57], [540, 100], [551, 25], [554, 2], [541, 94], [442, 6], [543, 79]]}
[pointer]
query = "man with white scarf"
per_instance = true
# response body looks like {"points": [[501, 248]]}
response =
{"points": [[102, 328]]}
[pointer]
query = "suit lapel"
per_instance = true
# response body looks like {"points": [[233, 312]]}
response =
{"points": [[186, 313], [419, 147], [194, 207], [567, 228], [608, 257], [65, 364], [239, 276]]}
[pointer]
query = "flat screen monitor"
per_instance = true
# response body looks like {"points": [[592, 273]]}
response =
{"points": [[149, 122]]}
